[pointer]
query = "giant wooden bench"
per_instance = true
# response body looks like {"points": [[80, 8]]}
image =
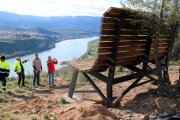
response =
{"points": [[121, 43]]}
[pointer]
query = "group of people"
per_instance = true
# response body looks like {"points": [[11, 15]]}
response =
{"points": [[19, 69]]}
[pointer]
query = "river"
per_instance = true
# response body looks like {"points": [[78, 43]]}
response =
{"points": [[63, 51]]}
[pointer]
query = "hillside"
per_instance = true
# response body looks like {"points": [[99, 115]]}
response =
{"points": [[41, 103], [24, 34]]}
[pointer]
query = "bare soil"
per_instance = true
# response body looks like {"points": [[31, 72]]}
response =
{"points": [[141, 103]]}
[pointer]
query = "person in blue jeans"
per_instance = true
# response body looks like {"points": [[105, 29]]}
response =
{"points": [[51, 69]]}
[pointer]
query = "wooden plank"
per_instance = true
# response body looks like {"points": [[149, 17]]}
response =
{"points": [[110, 28], [160, 45], [121, 48], [122, 43], [116, 12], [105, 56], [112, 10], [133, 32], [159, 51], [160, 48], [107, 26], [105, 44], [124, 37], [107, 32], [130, 56], [84, 64], [126, 53], [108, 20], [132, 42], [106, 38], [132, 48], [104, 50], [133, 37]]}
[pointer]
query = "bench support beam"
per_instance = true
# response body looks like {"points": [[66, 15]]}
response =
{"points": [[126, 91], [73, 83], [94, 86]]}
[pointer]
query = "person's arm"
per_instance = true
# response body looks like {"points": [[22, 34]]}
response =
{"points": [[34, 67], [41, 64], [24, 61], [8, 70], [55, 61], [33, 64]]}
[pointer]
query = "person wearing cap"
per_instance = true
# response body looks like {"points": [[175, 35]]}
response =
{"points": [[19, 69], [4, 71], [37, 68]]}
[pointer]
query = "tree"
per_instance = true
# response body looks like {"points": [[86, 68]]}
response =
{"points": [[161, 12]]}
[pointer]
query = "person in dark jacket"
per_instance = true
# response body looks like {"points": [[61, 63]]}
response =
{"points": [[51, 69], [4, 71]]}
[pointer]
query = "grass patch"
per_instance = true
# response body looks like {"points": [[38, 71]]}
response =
{"points": [[33, 118], [46, 116], [5, 116], [62, 100]]}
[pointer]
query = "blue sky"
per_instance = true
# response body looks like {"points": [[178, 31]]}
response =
{"points": [[58, 7]]}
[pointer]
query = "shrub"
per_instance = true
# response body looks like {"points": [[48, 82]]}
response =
{"points": [[61, 100]]}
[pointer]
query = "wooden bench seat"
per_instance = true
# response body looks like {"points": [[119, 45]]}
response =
{"points": [[122, 42], [87, 65]]}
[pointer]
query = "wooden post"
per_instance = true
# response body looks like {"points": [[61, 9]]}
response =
{"points": [[73, 83]]}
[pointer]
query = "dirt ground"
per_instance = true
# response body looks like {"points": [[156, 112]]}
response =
{"points": [[141, 103]]}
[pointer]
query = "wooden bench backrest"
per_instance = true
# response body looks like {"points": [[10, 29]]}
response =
{"points": [[132, 44]]}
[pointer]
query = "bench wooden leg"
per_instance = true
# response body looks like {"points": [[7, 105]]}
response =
{"points": [[166, 76], [73, 83], [109, 94]]}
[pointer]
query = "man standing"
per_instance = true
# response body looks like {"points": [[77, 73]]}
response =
{"points": [[19, 69], [4, 71], [37, 68], [51, 69]]}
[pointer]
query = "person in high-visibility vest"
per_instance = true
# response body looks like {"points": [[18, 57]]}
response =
{"points": [[19, 69], [4, 71]]}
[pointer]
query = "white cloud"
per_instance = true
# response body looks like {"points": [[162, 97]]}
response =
{"points": [[58, 7]]}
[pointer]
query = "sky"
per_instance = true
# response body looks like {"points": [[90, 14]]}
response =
{"points": [[58, 7]]}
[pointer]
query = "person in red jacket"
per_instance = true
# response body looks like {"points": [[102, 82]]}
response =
{"points": [[51, 69]]}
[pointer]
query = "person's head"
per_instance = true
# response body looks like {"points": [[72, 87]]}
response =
{"points": [[2, 58], [18, 58], [36, 56], [49, 58]]}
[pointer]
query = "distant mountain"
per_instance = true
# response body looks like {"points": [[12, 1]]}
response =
{"points": [[24, 34], [15, 20]]}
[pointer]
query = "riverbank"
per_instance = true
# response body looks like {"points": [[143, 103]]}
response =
{"points": [[63, 51], [40, 47]]}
